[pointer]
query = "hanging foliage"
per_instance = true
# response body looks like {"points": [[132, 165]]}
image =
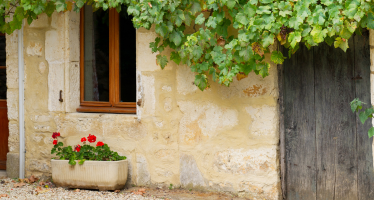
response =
{"points": [[198, 31]]}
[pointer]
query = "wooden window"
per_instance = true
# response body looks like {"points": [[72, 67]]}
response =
{"points": [[107, 61]]}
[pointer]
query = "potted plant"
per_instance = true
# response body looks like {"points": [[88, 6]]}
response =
{"points": [[98, 167]]}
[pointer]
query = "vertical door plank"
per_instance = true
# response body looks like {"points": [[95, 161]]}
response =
{"points": [[4, 133], [299, 125], [364, 144], [335, 126]]}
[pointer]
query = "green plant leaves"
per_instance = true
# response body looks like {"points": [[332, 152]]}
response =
{"points": [[198, 33], [277, 57], [200, 19], [371, 132], [294, 38], [161, 61], [341, 43], [201, 81]]}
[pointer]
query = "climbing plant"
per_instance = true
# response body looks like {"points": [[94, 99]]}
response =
{"points": [[221, 39]]}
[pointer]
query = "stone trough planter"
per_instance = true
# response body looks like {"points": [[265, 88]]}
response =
{"points": [[101, 175]]}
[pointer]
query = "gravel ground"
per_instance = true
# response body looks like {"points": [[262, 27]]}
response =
{"points": [[11, 189]]}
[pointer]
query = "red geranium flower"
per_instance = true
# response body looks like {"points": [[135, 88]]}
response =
{"points": [[55, 135], [91, 138], [77, 148], [99, 144], [83, 139], [54, 142]]}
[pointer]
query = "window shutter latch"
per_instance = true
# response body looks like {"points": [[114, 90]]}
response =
{"points": [[61, 100]]}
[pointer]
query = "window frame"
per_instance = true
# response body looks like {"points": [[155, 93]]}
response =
{"points": [[113, 105]]}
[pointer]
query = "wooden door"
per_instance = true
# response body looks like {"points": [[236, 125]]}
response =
{"points": [[4, 130], [328, 154]]}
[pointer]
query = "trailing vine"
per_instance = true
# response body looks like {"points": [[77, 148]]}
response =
{"points": [[222, 38]]}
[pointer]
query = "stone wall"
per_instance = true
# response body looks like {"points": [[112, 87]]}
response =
{"points": [[12, 103], [222, 139]]}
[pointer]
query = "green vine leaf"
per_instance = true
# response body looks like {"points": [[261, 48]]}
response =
{"points": [[200, 19], [371, 132], [277, 57], [161, 61], [220, 39]]}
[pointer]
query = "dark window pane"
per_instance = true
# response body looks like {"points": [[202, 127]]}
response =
{"points": [[2, 50], [127, 58], [96, 54], [2, 83]]}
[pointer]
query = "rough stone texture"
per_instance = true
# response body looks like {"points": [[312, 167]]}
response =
{"points": [[143, 176], [34, 49], [190, 175], [253, 161], [55, 85], [264, 120], [12, 97], [222, 139], [12, 165]]}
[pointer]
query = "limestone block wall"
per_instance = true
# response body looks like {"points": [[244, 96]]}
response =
{"points": [[12, 90], [222, 139], [12, 165]]}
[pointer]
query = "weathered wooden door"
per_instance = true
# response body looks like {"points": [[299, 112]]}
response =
{"points": [[4, 131], [328, 154]]}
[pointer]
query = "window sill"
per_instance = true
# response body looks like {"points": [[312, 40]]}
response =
{"points": [[94, 109]]}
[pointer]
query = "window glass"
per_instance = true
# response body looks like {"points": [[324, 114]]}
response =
{"points": [[96, 54], [127, 57]]}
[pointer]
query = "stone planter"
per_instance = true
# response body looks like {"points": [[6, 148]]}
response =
{"points": [[102, 175]]}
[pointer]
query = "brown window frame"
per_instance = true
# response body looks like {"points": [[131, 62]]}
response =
{"points": [[114, 105]]}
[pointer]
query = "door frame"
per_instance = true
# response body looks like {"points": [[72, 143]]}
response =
{"points": [[282, 136]]}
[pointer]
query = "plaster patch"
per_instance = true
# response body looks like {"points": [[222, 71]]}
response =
{"points": [[159, 124], [166, 154], [54, 47], [190, 175], [264, 120], [145, 59], [143, 176], [203, 121], [166, 88], [42, 67], [167, 104], [250, 161], [185, 80], [34, 49], [149, 101], [57, 19], [136, 131], [40, 22]]}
